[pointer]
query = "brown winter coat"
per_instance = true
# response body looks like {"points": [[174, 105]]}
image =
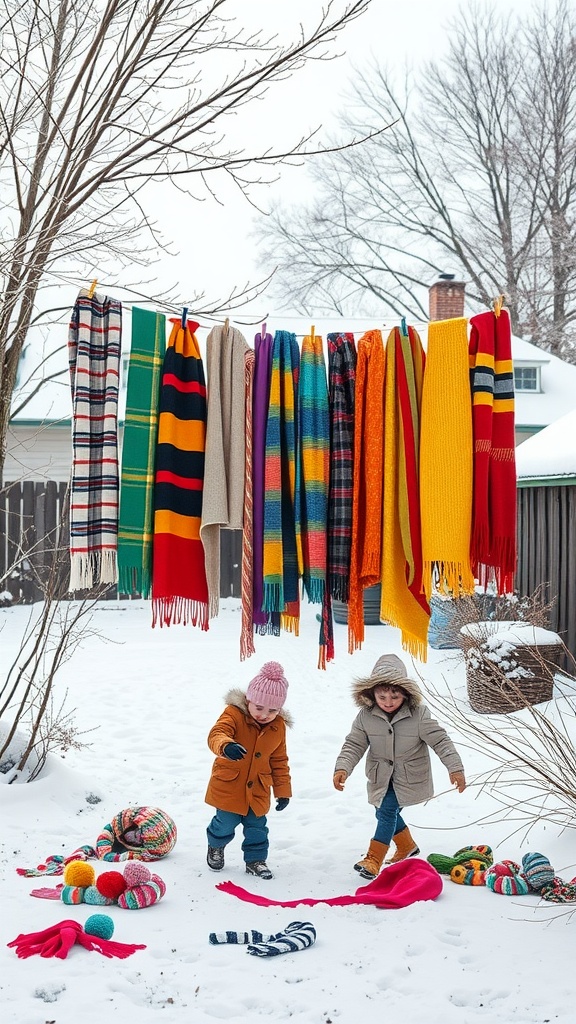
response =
{"points": [[237, 785], [397, 747]]}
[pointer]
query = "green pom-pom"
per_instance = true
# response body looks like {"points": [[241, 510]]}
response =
{"points": [[100, 925]]}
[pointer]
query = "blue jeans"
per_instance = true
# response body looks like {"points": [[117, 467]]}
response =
{"points": [[388, 818], [221, 831]]}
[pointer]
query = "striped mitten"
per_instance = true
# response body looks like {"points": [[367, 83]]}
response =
{"points": [[298, 935], [238, 938]]}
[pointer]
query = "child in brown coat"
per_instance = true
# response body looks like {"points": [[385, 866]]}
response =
{"points": [[249, 740]]}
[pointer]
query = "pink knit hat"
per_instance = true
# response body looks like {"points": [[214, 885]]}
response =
{"points": [[269, 687]]}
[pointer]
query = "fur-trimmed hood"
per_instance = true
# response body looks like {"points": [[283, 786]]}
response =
{"points": [[237, 698], [363, 691]]}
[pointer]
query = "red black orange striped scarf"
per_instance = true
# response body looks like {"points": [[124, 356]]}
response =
{"points": [[179, 587], [493, 539]]}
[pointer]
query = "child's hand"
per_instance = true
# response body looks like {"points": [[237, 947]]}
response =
{"points": [[339, 779], [282, 803], [458, 779], [234, 751]]}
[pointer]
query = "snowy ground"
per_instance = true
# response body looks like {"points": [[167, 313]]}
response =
{"points": [[152, 696]]}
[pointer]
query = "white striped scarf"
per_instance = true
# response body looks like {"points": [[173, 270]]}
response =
{"points": [[298, 935], [94, 342]]}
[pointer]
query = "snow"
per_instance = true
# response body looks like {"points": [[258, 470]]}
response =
{"points": [[550, 453], [512, 633], [147, 699]]}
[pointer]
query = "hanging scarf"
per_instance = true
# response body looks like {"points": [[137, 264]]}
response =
{"points": [[264, 622], [493, 541], [94, 342], [179, 588], [247, 647], [280, 551], [398, 886], [138, 452], [223, 492], [314, 467], [366, 543], [446, 460], [341, 382], [402, 602]]}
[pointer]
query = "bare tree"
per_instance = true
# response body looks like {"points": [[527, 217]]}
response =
{"points": [[99, 98], [477, 177]]}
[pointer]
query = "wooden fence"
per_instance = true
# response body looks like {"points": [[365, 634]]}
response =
{"points": [[33, 531]]}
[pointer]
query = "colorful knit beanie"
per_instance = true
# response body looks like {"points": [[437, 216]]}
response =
{"points": [[537, 871], [506, 878], [136, 833], [145, 833], [269, 687]]}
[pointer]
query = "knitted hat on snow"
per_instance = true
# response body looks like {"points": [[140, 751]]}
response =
{"points": [[537, 871], [269, 687]]}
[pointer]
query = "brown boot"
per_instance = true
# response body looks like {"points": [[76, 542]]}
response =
{"points": [[405, 847], [370, 865]]}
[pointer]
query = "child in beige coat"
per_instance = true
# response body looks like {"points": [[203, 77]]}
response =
{"points": [[395, 730]]}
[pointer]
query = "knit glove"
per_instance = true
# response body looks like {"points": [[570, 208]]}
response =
{"points": [[282, 802], [234, 751], [339, 779], [458, 779]]}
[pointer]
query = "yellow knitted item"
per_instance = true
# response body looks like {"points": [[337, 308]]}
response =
{"points": [[399, 605], [79, 873], [446, 461]]}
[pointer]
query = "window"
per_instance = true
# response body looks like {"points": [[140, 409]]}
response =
{"points": [[125, 362], [527, 378]]}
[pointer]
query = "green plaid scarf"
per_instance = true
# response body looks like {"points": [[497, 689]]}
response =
{"points": [[138, 452]]}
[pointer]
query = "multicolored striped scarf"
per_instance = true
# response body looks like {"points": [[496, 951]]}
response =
{"points": [[94, 342], [314, 465], [247, 647], [179, 587], [280, 563], [493, 541], [139, 452], [446, 461], [264, 622], [341, 393], [402, 602], [366, 544]]}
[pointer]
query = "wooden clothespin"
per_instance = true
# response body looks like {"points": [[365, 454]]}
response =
{"points": [[184, 315], [92, 289], [263, 331], [497, 304], [312, 332], [227, 325]]}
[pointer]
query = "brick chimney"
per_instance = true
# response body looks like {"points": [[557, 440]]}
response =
{"points": [[446, 298]]}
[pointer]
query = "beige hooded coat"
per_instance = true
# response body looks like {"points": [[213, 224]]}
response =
{"points": [[397, 747]]}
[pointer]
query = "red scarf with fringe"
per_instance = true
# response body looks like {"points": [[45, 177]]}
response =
{"points": [[493, 538], [179, 587]]}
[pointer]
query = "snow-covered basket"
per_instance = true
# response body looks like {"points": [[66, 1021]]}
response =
{"points": [[509, 665]]}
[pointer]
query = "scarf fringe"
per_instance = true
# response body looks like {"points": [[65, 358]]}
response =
{"points": [[247, 648], [89, 567], [290, 623], [415, 645], [273, 598], [314, 587], [502, 566], [453, 579], [270, 628], [339, 588], [132, 579], [168, 611]]}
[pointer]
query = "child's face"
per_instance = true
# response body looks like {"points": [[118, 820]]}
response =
{"points": [[389, 698], [262, 714]]}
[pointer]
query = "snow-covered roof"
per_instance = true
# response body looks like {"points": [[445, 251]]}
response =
{"points": [[550, 455]]}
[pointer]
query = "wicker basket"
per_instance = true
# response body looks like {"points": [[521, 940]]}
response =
{"points": [[489, 692]]}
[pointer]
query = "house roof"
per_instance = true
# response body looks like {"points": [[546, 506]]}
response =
{"points": [[549, 457]]}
